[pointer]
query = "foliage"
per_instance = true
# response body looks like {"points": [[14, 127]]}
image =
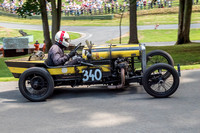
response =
{"points": [[29, 8]]}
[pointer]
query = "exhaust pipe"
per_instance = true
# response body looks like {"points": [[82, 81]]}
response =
{"points": [[122, 81]]}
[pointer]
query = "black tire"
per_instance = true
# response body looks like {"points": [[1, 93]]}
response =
{"points": [[36, 84], [154, 77], [159, 56]]}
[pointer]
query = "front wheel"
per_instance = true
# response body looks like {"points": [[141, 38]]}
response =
{"points": [[36, 84], [157, 84]]}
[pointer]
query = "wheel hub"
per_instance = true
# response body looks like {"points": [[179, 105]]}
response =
{"points": [[37, 83], [161, 81]]}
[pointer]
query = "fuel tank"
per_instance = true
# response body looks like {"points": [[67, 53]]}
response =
{"points": [[112, 51]]}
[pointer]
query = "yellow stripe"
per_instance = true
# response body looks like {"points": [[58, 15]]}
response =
{"points": [[59, 71], [115, 46], [25, 61], [71, 70], [17, 69]]}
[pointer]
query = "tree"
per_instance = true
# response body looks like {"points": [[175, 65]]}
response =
{"points": [[56, 17], [45, 25], [133, 36], [29, 8], [33, 6], [185, 11]]}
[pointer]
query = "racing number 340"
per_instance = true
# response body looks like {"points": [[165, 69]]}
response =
{"points": [[92, 75]]}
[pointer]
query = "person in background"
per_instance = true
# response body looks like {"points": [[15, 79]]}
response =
{"points": [[1, 49], [44, 46], [37, 46]]}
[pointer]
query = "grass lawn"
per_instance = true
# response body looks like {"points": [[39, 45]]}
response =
{"points": [[157, 36], [4, 71], [38, 35], [187, 54], [146, 17]]}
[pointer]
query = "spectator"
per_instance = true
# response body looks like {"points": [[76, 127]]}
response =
{"points": [[154, 4], [87, 7], [112, 8], [37, 46], [120, 7], [109, 6], [105, 8], [137, 4], [149, 4], [158, 2], [165, 3], [116, 6], [145, 3], [1, 49], [44, 46], [169, 3], [99, 8], [141, 5], [124, 6]]}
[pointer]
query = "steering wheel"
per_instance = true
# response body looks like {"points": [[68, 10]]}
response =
{"points": [[77, 47]]}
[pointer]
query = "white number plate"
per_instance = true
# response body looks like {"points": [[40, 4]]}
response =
{"points": [[92, 75]]}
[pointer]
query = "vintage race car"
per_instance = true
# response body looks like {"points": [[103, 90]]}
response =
{"points": [[115, 66]]}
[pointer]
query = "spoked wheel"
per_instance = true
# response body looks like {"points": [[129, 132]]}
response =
{"points": [[157, 84], [36, 84], [159, 56]]}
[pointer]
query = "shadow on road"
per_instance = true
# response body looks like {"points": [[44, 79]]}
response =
{"points": [[94, 92], [98, 92]]}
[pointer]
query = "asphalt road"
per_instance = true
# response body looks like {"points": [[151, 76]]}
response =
{"points": [[96, 34], [97, 109]]}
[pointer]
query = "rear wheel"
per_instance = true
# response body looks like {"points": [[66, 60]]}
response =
{"points": [[36, 84], [157, 84]]}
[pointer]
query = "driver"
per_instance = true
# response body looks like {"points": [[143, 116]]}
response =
{"points": [[56, 54]]}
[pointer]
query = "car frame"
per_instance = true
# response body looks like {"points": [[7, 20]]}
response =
{"points": [[111, 65]]}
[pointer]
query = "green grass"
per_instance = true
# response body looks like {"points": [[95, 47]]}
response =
{"points": [[157, 36], [190, 67], [4, 71], [38, 35], [187, 54], [142, 20], [8, 79]]}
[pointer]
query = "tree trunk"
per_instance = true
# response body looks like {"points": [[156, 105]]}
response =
{"points": [[45, 24], [59, 14], [185, 11], [133, 37], [187, 20], [56, 17], [180, 22], [54, 27]]}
